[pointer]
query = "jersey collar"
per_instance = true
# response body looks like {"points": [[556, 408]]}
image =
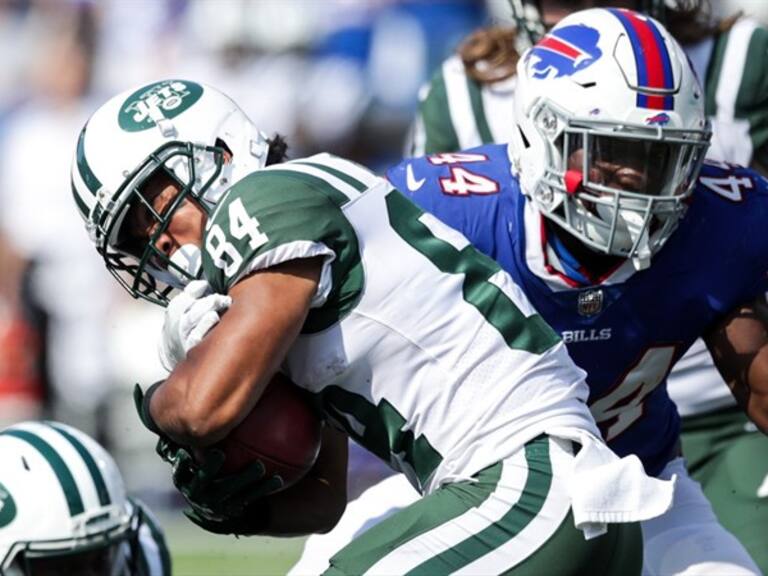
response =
{"points": [[548, 258]]}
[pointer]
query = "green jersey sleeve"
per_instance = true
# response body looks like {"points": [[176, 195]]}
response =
{"points": [[434, 131], [456, 112], [737, 91], [276, 215]]}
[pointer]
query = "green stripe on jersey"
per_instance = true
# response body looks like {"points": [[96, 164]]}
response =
{"points": [[86, 173], [356, 184], [291, 209], [385, 433], [59, 467], [752, 98], [478, 111], [528, 506], [713, 74], [338, 198], [439, 131], [90, 463], [530, 333]]}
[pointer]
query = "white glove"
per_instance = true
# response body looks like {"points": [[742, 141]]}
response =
{"points": [[188, 318]]}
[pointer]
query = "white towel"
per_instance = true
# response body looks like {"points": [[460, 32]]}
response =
{"points": [[606, 489]]}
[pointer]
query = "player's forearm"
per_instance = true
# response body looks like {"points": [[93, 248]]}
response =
{"points": [[739, 347], [223, 377], [757, 400]]}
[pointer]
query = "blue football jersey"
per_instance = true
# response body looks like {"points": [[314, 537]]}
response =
{"points": [[628, 328]]}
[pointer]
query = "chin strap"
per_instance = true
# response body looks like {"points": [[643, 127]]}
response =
{"points": [[186, 264], [638, 233]]}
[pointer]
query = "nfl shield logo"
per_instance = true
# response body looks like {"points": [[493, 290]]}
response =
{"points": [[590, 302]]}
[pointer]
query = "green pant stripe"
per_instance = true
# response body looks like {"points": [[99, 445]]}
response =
{"points": [[512, 523], [421, 517], [59, 467]]}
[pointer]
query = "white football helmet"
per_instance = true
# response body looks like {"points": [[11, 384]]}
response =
{"points": [[182, 127], [611, 130], [62, 504]]}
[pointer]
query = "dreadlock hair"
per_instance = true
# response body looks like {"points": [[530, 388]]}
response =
{"points": [[278, 150], [489, 54]]}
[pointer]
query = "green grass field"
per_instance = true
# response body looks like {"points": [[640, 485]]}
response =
{"points": [[198, 553]]}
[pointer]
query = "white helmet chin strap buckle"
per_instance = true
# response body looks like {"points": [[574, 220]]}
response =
{"points": [[189, 259], [638, 233]]}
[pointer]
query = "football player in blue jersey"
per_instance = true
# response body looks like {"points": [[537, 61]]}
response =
{"points": [[606, 160]]}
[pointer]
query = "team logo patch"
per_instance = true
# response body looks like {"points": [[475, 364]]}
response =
{"points": [[170, 98], [7, 507], [590, 302], [564, 52]]}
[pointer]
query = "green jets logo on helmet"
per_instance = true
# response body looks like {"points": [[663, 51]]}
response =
{"points": [[170, 97], [7, 507]]}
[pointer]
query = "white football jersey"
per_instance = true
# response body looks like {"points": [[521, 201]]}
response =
{"points": [[421, 348]]}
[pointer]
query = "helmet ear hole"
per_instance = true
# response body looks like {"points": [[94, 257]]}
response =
{"points": [[526, 143], [221, 144]]}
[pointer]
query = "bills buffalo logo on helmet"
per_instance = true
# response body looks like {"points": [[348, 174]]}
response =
{"points": [[660, 119], [563, 52]]}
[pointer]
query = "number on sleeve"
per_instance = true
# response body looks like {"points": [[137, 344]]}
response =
{"points": [[224, 253], [462, 182], [729, 187], [456, 158], [242, 225]]}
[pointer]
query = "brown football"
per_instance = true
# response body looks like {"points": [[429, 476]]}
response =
{"points": [[282, 431]]}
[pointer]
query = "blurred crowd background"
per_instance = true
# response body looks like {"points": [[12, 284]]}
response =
{"points": [[331, 75]]}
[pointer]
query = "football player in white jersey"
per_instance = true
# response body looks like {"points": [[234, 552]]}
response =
{"points": [[63, 509], [411, 342]]}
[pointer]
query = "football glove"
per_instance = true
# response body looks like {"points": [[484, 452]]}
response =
{"points": [[165, 447], [188, 318], [220, 502], [253, 521], [216, 500]]}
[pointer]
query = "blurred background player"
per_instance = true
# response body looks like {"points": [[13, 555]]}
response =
{"points": [[63, 509], [58, 288], [468, 103]]}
